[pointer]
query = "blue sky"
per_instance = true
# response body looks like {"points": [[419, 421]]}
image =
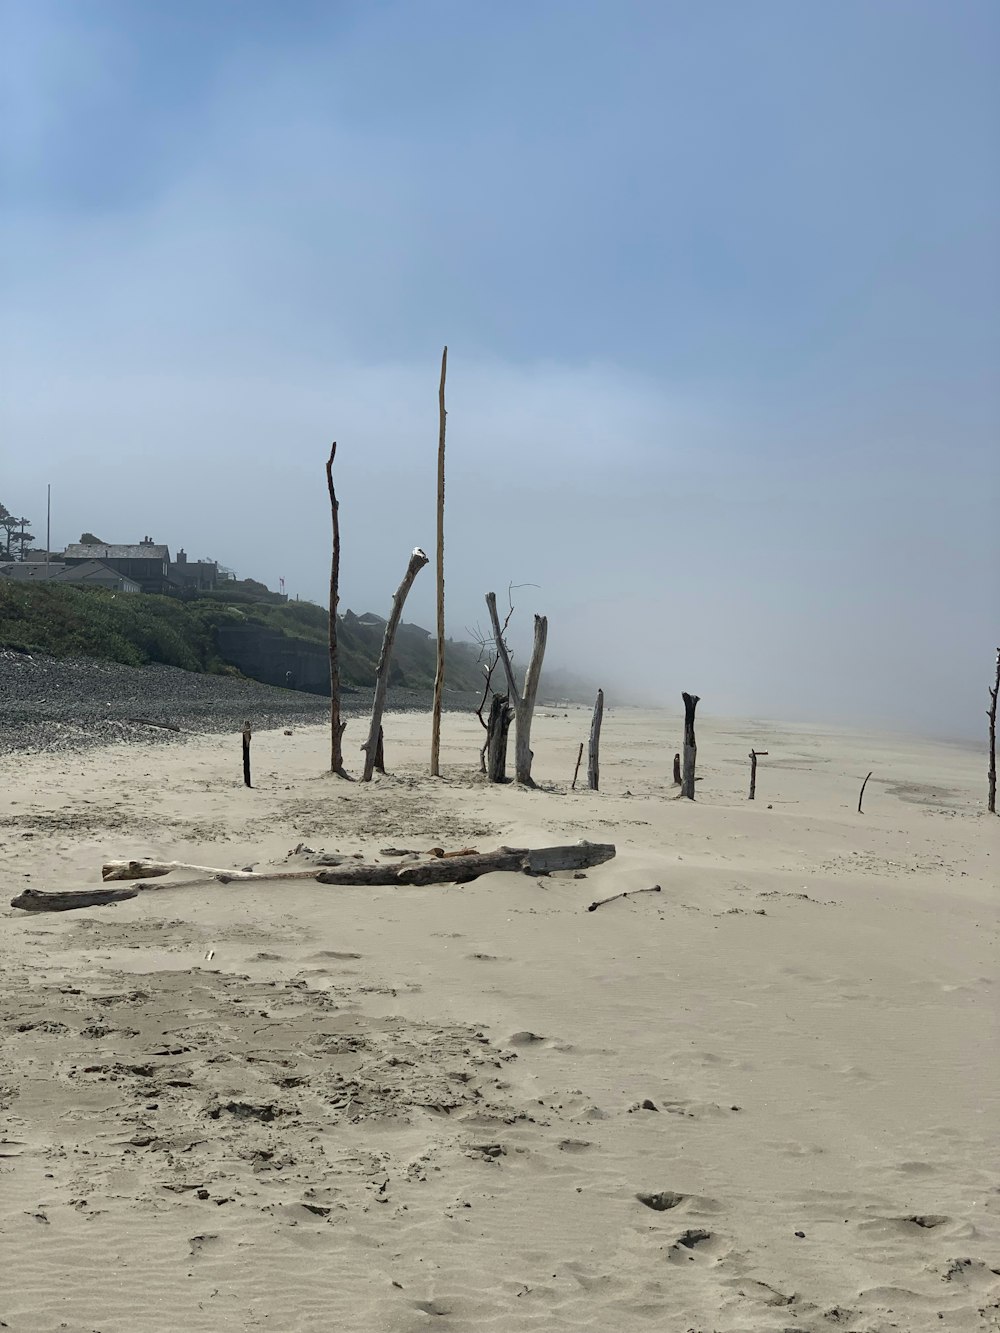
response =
{"points": [[719, 282]]}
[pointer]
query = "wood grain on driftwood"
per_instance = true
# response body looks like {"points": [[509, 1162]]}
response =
{"points": [[459, 868]]}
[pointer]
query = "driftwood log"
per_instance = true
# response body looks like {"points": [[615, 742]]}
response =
{"points": [[594, 753], [439, 673], [690, 746], [523, 700], [443, 869], [497, 728], [462, 869], [417, 561], [35, 900], [336, 724]]}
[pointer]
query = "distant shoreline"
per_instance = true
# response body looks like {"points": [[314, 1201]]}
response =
{"points": [[72, 704]]}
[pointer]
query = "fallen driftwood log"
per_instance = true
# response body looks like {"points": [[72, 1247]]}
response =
{"points": [[462, 869], [116, 870], [35, 900], [629, 893], [441, 869], [148, 722]]}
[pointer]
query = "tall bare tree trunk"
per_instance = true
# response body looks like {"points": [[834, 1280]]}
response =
{"points": [[992, 715], [690, 747], [417, 561], [336, 726], [439, 675], [593, 755], [523, 701]]}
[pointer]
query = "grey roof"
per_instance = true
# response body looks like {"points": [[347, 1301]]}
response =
{"points": [[28, 569], [91, 569], [140, 551]]}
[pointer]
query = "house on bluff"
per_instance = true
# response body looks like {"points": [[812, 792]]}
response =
{"points": [[146, 563]]}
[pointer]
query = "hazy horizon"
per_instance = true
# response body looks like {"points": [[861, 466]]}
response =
{"points": [[719, 286]]}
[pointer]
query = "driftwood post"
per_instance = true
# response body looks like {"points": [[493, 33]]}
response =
{"points": [[247, 734], [754, 756], [524, 700], [690, 747], [593, 754], [576, 771], [861, 796], [417, 561], [677, 770], [992, 715], [336, 726], [496, 738], [439, 674]]}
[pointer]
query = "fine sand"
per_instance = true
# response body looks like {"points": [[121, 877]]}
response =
{"points": [[763, 1099]]}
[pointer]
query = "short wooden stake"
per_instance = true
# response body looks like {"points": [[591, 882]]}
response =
{"points": [[247, 734], [593, 757], [754, 756], [862, 795], [576, 771], [677, 770]]}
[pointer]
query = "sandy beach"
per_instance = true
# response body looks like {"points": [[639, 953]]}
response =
{"points": [[762, 1100]]}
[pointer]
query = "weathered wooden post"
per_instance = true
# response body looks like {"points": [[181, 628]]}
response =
{"points": [[417, 561], [380, 752], [247, 734], [690, 747], [593, 754], [991, 804], [576, 771], [677, 770], [861, 796], [336, 726], [523, 700], [754, 756], [497, 728], [439, 674]]}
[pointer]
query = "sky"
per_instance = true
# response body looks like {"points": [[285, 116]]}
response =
{"points": [[719, 282]]}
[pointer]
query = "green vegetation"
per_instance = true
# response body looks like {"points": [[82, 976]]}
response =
{"points": [[135, 629]]}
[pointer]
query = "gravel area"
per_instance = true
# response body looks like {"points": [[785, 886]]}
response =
{"points": [[49, 703]]}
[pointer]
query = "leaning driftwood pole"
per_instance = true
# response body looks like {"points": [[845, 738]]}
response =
{"points": [[861, 796], [524, 700], [593, 755], [754, 756], [439, 674], [690, 747], [247, 734], [336, 726], [417, 561], [677, 770], [576, 771], [992, 715]]}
